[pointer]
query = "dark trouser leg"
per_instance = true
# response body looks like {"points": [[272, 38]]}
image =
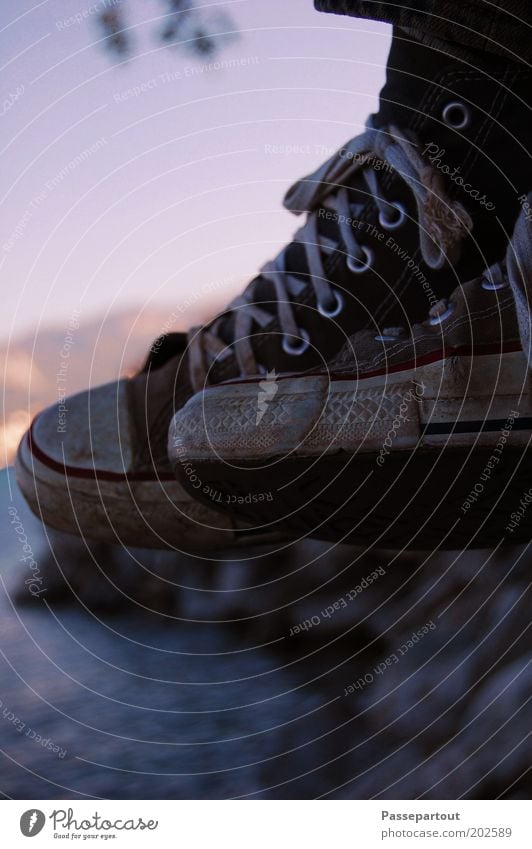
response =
{"points": [[501, 27]]}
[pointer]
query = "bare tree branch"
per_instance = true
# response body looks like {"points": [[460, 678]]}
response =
{"points": [[201, 32]]}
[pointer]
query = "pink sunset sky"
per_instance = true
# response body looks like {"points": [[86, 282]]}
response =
{"points": [[157, 181]]}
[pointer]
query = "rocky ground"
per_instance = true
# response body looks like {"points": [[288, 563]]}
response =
{"points": [[310, 671]]}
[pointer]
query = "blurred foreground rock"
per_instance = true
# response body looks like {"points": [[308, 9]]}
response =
{"points": [[411, 675]]}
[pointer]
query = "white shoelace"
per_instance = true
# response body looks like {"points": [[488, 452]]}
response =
{"points": [[442, 224]]}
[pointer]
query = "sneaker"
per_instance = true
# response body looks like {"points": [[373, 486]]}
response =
{"points": [[411, 438], [388, 233], [100, 469]]}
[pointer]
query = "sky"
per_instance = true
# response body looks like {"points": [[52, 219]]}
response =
{"points": [[158, 180]]}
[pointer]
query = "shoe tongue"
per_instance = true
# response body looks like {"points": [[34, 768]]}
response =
{"points": [[164, 348]]}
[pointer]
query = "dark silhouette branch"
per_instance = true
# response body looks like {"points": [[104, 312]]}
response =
{"points": [[201, 32]]}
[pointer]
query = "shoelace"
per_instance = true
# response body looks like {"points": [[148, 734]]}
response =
{"points": [[442, 224], [515, 272]]}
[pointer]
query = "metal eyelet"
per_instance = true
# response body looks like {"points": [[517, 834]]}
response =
{"points": [[439, 319], [358, 267], [456, 115], [394, 223], [392, 335], [301, 345], [336, 309], [491, 286]]}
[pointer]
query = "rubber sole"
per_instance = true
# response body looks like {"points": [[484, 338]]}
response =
{"points": [[144, 514], [422, 500]]}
